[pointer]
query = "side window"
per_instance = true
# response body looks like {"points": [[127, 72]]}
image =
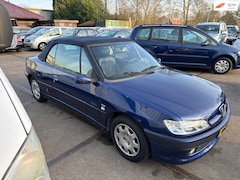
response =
{"points": [[165, 34], [120, 34], [91, 32], [67, 57], [63, 30], [82, 32], [86, 67], [193, 37], [51, 56], [54, 32], [143, 34]]}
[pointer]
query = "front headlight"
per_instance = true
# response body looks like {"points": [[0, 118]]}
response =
{"points": [[30, 162], [186, 127]]}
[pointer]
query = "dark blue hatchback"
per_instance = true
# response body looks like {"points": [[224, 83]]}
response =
{"points": [[148, 109], [186, 46]]}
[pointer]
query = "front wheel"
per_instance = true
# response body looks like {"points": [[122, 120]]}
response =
{"points": [[42, 46], [222, 65], [129, 139], [36, 91]]}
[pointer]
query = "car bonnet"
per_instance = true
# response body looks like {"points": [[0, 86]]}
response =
{"points": [[183, 95]]}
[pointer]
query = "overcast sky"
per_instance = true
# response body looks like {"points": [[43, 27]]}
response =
{"points": [[41, 4]]}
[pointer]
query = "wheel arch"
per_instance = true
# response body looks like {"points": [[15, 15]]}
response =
{"points": [[227, 56], [113, 115], [135, 125], [29, 76]]}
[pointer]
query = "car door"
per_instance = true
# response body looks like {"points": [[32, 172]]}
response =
{"points": [[196, 49], [162, 42], [165, 44], [53, 33], [71, 79]]}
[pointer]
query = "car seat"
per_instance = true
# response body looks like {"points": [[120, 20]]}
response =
{"points": [[107, 62]]}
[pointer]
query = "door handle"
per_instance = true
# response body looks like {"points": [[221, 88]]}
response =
{"points": [[154, 46]]}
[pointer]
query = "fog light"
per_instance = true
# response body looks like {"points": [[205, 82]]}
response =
{"points": [[192, 151]]}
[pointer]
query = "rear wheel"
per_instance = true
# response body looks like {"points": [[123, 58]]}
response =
{"points": [[222, 65], [36, 90], [129, 139]]}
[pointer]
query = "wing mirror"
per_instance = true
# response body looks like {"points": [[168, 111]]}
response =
{"points": [[205, 43], [82, 79]]}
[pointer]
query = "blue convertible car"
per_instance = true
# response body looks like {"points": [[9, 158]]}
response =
{"points": [[148, 109]]}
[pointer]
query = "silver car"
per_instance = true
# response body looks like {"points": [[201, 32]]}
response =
{"points": [[218, 30], [40, 39]]}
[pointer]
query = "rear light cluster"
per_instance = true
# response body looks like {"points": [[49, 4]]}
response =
{"points": [[19, 40]]}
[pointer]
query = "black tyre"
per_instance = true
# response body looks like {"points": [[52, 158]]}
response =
{"points": [[42, 46], [36, 90], [222, 65], [19, 49], [129, 139]]}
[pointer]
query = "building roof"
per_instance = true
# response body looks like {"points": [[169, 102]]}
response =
{"points": [[176, 21], [88, 24], [18, 12]]}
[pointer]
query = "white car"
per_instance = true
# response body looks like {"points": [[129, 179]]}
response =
{"points": [[22, 156], [218, 30]]}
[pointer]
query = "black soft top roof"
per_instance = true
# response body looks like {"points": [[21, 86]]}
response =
{"points": [[81, 41], [85, 41]]}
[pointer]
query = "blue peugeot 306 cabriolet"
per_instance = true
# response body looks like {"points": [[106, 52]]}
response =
{"points": [[148, 109]]}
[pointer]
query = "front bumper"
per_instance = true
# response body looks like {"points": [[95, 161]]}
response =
{"points": [[238, 62], [180, 150], [27, 44], [32, 44]]}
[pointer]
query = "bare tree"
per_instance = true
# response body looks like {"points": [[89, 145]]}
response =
{"points": [[200, 12], [190, 12], [140, 11], [183, 7]]}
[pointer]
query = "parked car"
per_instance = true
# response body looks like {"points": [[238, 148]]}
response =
{"points": [[80, 31], [22, 36], [233, 31], [147, 108], [117, 33], [237, 44], [21, 152], [17, 42], [186, 46], [20, 29], [14, 45], [40, 39], [218, 30]]}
